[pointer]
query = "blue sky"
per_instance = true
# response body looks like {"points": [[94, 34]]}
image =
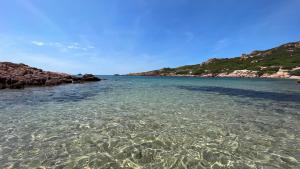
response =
{"points": [[122, 36]]}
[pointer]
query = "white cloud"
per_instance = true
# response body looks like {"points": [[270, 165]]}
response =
{"points": [[72, 47], [55, 44], [38, 43], [63, 46]]}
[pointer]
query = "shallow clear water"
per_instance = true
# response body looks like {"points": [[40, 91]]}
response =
{"points": [[153, 122]]}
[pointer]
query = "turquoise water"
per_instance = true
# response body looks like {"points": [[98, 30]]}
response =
{"points": [[153, 122]]}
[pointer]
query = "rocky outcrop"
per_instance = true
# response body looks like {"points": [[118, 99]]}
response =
{"points": [[18, 76], [89, 78], [239, 73], [282, 73]]}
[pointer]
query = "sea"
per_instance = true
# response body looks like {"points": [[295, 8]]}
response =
{"points": [[153, 123]]}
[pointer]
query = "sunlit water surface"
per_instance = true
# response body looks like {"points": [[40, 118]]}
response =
{"points": [[153, 122]]}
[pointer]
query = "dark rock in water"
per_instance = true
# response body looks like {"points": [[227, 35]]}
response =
{"points": [[18, 85], [89, 77], [18, 76]]}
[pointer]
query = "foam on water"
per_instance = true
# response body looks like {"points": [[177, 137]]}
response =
{"points": [[138, 122]]}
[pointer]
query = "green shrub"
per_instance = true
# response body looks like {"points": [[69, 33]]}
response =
{"points": [[198, 72], [167, 70], [260, 73], [182, 72], [295, 72], [287, 67], [272, 69]]}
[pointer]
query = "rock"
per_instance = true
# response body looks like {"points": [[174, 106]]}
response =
{"points": [[67, 81], [17, 85], [289, 160], [89, 77], [295, 77], [240, 73], [53, 82], [282, 73], [2, 82], [18, 76], [208, 75]]}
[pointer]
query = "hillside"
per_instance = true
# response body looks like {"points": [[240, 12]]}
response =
{"points": [[278, 62]]}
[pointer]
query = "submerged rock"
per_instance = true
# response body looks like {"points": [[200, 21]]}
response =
{"points": [[18, 76]]}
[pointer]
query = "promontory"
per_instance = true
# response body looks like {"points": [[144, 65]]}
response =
{"points": [[18, 76], [279, 62]]}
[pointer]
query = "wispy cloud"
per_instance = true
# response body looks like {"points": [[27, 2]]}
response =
{"points": [[63, 46], [38, 43], [78, 46], [55, 44]]}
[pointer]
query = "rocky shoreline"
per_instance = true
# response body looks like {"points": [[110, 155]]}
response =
{"points": [[19, 76], [281, 74]]}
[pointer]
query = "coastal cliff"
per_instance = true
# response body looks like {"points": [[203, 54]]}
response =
{"points": [[278, 62], [17, 76]]}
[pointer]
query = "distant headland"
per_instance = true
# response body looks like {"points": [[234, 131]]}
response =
{"points": [[278, 62], [18, 76]]}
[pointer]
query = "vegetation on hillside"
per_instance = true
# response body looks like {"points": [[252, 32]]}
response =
{"points": [[263, 62]]}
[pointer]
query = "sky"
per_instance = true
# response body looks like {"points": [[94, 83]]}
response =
{"points": [[122, 36]]}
